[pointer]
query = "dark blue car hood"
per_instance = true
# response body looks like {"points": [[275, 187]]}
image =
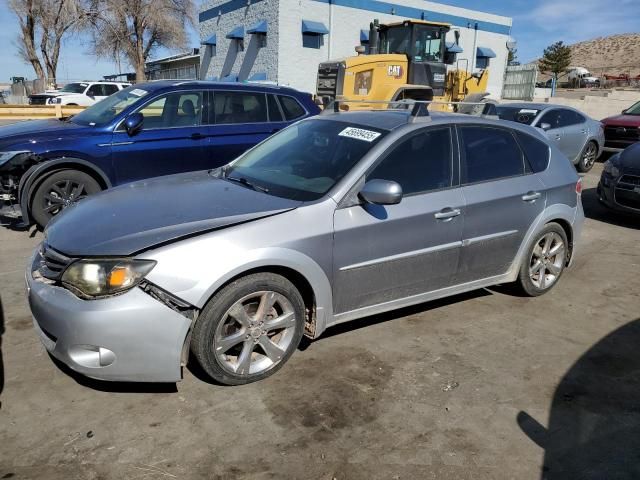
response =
{"points": [[134, 217], [37, 130], [630, 157]]}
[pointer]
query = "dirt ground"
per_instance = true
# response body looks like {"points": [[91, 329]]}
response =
{"points": [[482, 385]]}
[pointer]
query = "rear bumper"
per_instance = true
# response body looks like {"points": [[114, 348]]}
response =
{"points": [[129, 337]]}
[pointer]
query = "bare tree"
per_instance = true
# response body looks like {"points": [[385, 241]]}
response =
{"points": [[136, 27], [43, 26]]}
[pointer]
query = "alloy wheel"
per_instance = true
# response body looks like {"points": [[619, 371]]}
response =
{"points": [[589, 156], [63, 194], [547, 260], [255, 333]]}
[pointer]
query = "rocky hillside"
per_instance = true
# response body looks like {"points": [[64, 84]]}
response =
{"points": [[609, 55]]}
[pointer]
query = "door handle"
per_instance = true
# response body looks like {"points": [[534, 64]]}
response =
{"points": [[196, 136], [531, 196], [558, 137], [447, 214]]}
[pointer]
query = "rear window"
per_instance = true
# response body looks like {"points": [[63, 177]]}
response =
{"points": [[292, 109], [536, 151], [489, 154], [239, 107], [517, 114]]}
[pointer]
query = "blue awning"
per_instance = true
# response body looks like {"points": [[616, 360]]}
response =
{"points": [[258, 76], [453, 47], [236, 34], [314, 28], [230, 78], [485, 52], [211, 40], [364, 35], [260, 27]]}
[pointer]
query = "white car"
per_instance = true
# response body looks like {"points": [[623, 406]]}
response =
{"points": [[84, 93]]}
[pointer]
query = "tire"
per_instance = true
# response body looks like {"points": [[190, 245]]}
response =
{"points": [[57, 191], [230, 335], [529, 277], [587, 157]]}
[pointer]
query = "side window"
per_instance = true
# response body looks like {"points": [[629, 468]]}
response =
{"points": [[419, 163], [181, 109], [292, 109], [553, 118], [569, 117], [95, 90], [489, 154], [275, 115], [239, 107], [536, 151], [109, 89]]}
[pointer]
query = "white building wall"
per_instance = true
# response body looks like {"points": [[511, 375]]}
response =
{"points": [[297, 66], [228, 59]]}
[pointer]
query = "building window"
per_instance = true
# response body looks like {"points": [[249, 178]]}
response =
{"points": [[312, 40], [482, 62]]}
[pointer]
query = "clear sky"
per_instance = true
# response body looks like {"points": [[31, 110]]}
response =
{"points": [[536, 24]]}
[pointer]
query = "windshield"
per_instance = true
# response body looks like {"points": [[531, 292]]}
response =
{"points": [[304, 161], [634, 109], [518, 114], [106, 110], [74, 88], [428, 44]]}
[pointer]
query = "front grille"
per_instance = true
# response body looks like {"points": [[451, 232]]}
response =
{"points": [[627, 191], [52, 263], [616, 133], [38, 100]]}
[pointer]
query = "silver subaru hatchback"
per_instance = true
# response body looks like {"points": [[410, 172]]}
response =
{"points": [[335, 218]]}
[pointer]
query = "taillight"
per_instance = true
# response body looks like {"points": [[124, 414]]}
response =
{"points": [[579, 186]]}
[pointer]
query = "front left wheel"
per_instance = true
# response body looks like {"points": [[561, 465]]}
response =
{"points": [[58, 191], [249, 329]]}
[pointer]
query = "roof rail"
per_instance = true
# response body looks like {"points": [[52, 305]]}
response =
{"points": [[419, 108]]}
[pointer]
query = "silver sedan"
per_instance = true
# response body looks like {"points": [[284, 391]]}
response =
{"points": [[578, 136]]}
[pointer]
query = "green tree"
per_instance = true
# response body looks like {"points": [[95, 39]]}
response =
{"points": [[512, 59], [555, 59]]}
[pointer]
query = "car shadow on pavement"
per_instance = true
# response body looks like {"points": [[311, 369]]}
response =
{"points": [[594, 422], [1, 360], [197, 371], [114, 387], [595, 210], [396, 314]]}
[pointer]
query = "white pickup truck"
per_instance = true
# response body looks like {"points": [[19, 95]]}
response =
{"points": [[78, 93]]}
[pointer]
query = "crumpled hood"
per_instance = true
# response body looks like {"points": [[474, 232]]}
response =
{"points": [[37, 130], [137, 216], [623, 120]]}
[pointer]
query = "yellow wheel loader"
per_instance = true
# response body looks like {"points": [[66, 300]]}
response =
{"points": [[407, 60]]}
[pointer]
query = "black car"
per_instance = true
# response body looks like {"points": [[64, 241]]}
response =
{"points": [[619, 186]]}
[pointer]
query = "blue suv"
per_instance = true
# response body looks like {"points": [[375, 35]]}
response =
{"points": [[143, 131]]}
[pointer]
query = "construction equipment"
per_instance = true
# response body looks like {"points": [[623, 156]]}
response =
{"points": [[405, 60]]}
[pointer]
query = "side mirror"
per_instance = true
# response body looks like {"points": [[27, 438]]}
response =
{"points": [[545, 126], [381, 192], [133, 123]]}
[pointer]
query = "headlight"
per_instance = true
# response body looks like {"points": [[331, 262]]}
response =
{"points": [[6, 156], [97, 278], [611, 169]]}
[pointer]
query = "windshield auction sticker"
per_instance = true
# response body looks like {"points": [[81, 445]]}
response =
{"points": [[359, 134]]}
